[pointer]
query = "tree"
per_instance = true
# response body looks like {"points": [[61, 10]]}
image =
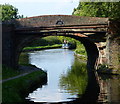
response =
{"points": [[98, 9], [8, 12]]}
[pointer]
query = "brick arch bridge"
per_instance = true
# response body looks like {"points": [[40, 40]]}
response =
{"points": [[91, 31], [17, 33]]}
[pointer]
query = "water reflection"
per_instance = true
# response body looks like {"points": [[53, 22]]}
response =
{"points": [[109, 89], [67, 80], [56, 62], [75, 80]]}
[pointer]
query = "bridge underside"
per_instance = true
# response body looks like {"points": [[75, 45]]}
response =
{"points": [[96, 32]]}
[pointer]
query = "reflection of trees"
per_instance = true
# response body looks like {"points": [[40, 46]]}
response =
{"points": [[75, 80]]}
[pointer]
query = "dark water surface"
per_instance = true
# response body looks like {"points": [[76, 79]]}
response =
{"points": [[67, 80]]}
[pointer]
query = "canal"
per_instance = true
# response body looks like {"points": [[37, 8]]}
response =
{"points": [[67, 79]]}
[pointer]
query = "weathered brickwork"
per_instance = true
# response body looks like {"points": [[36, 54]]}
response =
{"points": [[114, 46], [55, 20]]}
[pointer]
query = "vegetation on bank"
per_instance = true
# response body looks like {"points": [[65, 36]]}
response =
{"points": [[42, 47], [17, 89], [8, 72], [98, 9], [24, 59], [56, 42], [45, 41], [80, 51], [51, 42]]}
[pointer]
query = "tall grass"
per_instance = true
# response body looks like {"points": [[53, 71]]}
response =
{"points": [[42, 47]]}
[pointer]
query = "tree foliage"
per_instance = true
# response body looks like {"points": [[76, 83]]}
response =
{"points": [[8, 12], [98, 9]]}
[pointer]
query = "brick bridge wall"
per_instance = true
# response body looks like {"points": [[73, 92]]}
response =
{"points": [[56, 20], [113, 46]]}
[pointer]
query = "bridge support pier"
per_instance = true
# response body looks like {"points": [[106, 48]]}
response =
{"points": [[113, 46], [8, 46], [113, 53]]}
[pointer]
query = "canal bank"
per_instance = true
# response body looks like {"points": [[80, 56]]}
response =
{"points": [[72, 79], [38, 48], [15, 89], [81, 57], [18, 84]]}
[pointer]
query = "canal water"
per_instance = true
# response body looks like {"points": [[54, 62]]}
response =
{"points": [[61, 85], [67, 79]]}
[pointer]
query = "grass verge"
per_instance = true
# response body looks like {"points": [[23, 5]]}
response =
{"points": [[82, 57], [17, 89], [9, 72], [42, 47]]}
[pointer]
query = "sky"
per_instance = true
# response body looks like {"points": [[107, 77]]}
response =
{"points": [[31, 8]]}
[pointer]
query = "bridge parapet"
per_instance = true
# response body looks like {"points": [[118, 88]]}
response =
{"points": [[58, 20]]}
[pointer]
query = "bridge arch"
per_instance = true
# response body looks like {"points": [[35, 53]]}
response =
{"points": [[90, 46], [20, 31], [81, 28], [92, 55]]}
